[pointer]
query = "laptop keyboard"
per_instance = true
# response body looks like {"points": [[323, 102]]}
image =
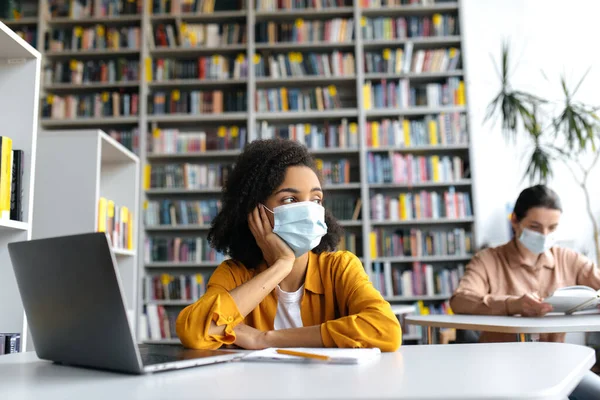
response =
{"points": [[151, 359]]}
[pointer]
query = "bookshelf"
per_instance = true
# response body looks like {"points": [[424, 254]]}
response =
{"points": [[19, 91], [335, 72], [75, 169]]}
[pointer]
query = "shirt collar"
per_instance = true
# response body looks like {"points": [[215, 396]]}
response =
{"points": [[515, 258], [313, 281]]}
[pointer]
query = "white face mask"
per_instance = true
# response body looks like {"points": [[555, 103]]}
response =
{"points": [[300, 225], [536, 242]]}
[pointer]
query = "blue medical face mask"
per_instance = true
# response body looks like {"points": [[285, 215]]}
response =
{"points": [[300, 225], [536, 242]]}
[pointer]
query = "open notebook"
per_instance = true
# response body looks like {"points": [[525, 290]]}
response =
{"points": [[573, 298], [336, 356]]}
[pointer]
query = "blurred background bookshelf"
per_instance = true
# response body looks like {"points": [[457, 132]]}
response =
{"points": [[375, 89]]}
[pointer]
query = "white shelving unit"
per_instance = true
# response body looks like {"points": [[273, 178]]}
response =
{"points": [[76, 168], [19, 99]]}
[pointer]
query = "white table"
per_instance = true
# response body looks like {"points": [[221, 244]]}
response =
{"points": [[470, 371], [522, 327]]}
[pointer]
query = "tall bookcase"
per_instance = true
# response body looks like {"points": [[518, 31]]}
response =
{"points": [[372, 94], [102, 168], [19, 91]]}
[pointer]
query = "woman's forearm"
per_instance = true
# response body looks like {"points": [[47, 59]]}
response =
{"points": [[309, 336]]}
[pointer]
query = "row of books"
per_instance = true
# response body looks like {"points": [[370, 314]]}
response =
{"points": [[421, 205], [399, 94], [344, 207], [12, 164], [197, 35], [173, 141], [420, 280], [128, 138], [180, 249], [93, 8], [181, 212], [105, 104], [418, 243], [414, 332], [444, 129], [297, 64], [204, 68], [404, 61], [10, 343], [390, 28], [350, 241], [174, 287], [196, 6], [117, 222], [335, 172], [187, 176], [296, 99], [29, 34], [14, 10], [97, 37], [197, 102], [92, 71], [274, 5], [158, 322], [409, 169], [336, 30], [326, 136], [394, 3]]}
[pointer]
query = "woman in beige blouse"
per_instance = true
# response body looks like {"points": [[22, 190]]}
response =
{"points": [[515, 278]]}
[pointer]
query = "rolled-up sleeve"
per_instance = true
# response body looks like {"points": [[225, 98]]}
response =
{"points": [[193, 322], [370, 321], [473, 293]]}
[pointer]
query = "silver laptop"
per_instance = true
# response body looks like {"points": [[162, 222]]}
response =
{"points": [[76, 311]]}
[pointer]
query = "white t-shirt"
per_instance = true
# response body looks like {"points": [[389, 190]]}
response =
{"points": [[288, 309]]}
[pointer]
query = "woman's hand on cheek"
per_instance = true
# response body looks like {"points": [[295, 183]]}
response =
{"points": [[271, 245], [250, 338]]}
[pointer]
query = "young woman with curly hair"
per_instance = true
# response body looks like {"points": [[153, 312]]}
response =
{"points": [[285, 285]]}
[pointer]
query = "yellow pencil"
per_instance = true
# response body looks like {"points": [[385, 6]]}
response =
{"points": [[302, 354]]}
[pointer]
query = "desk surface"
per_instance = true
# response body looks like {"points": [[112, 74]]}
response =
{"points": [[508, 324], [470, 371]]}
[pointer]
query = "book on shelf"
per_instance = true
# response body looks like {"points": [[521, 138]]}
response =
{"points": [[158, 322], [196, 102], [338, 171], [214, 67], [187, 175], [420, 280], [174, 287], [400, 94], [98, 37], [174, 141], [196, 35], [91, 105], [328, 135], [29, 34], [15, 10], [6, 176], [298, 64], [10, 343], [420, 243], [175, 250], [344, 207], [415, 332], [16, 192], [297, 99], [128, 138], [443, 129], [196, 6], [350, 241], [405, 60], [408, 169], [117, 222], [274, 5], [80, 9], [92, 71], [396, 3], [181, 212], [336, 30], [390, 28], [421, 205]]}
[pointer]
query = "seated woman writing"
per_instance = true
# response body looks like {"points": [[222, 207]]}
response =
{"points": [[284, 285]]}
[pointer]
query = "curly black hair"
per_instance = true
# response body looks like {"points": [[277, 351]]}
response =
{"points": [[258, 171]]}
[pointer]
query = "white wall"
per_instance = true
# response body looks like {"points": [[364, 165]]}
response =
{"points": [[553, 36]]}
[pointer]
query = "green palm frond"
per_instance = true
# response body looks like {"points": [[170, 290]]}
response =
{"points": [[539, 169]]}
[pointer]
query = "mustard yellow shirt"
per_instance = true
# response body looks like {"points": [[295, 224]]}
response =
{"points": [[338, 296]]}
